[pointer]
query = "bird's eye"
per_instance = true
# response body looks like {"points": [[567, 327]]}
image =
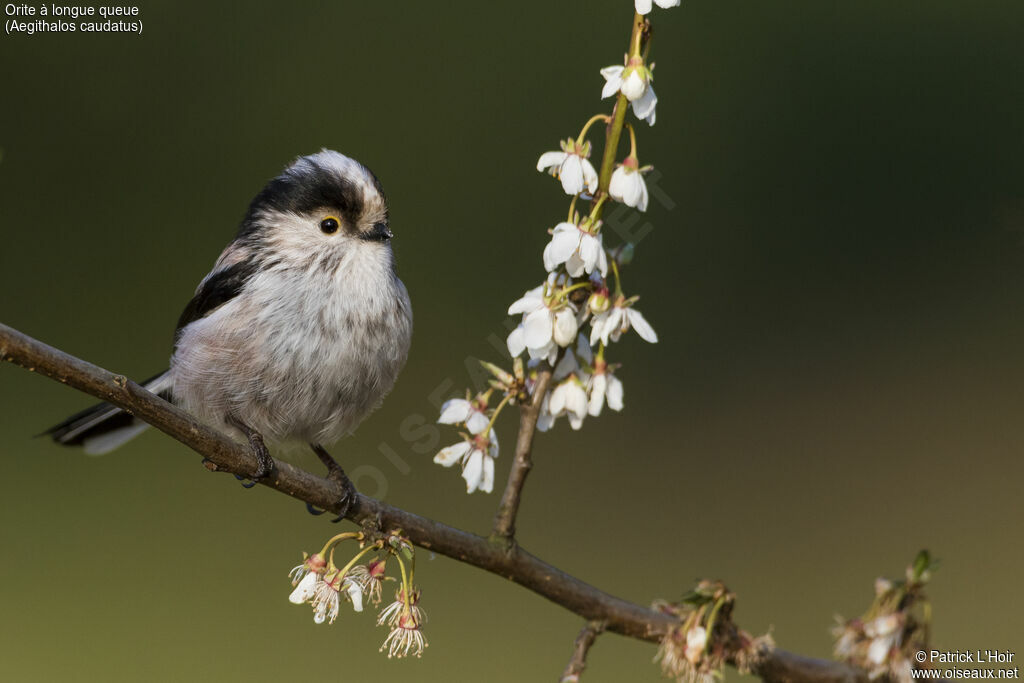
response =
{"points": [[329, 225]]}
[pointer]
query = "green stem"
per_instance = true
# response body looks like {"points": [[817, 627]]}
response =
{"points": [[618, 281], [352, 562], [611, 145], [358, 535], [632, 141], [494, 417], [593, 119], [595, 212], [563, 294], [406, 586], [711, 623]]}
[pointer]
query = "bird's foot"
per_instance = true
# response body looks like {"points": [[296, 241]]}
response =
{"points": [[337, 475], [264, 463]]}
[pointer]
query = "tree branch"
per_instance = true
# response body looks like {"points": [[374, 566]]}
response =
{"points": [[505, 519], [574, 669], [512, 563]]}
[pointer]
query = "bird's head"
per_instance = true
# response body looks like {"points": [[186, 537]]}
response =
{"points": [[321, 207]]}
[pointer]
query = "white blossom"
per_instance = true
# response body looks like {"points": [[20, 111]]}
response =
{"points": [[305, 590], [618, 319], [406, 622], [885, 634], [571, 166], [355, 593], [326, 600], [461, 411], [644, 6], [404, 639], [580, 250], [633, 81], [570, 361], [569, 398], [545, 420], [628, 186], [477, 459], [604, 386], [696, 641], [545, 326]]}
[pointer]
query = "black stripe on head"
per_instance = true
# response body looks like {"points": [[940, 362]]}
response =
{"points": [[219, 288], [326, 180]]}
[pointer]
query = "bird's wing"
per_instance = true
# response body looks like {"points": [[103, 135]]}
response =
{"points": [[232, 271]]}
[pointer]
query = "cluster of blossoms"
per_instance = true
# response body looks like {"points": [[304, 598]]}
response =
{"points": [[697, 649], [571, 318], [321, 584], [885, 639]]}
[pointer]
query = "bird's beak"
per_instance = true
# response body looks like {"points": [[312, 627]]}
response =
{"points": [[379, 233]]}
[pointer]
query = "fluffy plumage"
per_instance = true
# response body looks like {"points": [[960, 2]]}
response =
{"points": [[297, 332]]}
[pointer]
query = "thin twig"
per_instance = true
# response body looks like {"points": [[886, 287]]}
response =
{"points": [[224, 455], [505, 519], [574, 669]]}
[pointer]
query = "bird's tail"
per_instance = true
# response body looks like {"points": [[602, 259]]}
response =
{"points": [[103, 427]]}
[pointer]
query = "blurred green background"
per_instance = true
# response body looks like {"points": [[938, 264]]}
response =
{"points": [[835, 272]]}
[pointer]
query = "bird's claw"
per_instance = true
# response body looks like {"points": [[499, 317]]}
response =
{"points": [[264, 463], [337, 476], [348, 496], [246, 484]]}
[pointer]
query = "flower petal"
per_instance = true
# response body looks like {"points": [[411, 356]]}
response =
{"points": [[644, 107], [597, 388], [545, 420], [355, 593], [641, 326], [565, 327], [557, 404], [477, 422], [537, 327], [454, 411], [473, 470], [643, 6], [305, 590], [642, 199], [634, 85], [620, 181], [589, 175], [550, 160], [450, 455], [560, 248], [566, 366], [577, 400], [597, 325], [529, 301], [611, 325], [516, 341], [613, 80], [487, 481], [602, 261], [571, 174], [614, 393]]}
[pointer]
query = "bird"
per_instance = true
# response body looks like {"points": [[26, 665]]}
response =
{"points": [[297, 333]]}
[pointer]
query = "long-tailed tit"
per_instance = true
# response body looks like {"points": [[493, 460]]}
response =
{"points": [[300, 329]]}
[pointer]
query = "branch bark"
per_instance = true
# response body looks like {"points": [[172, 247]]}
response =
{"points": [[512, 563], [574, 669], [505, 519]]}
